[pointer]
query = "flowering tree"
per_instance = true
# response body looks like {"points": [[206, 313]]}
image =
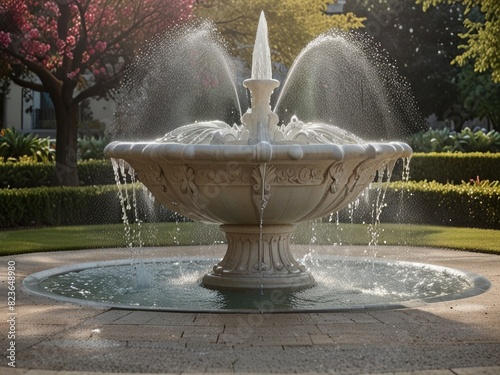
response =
{"points": [[77, 49]]}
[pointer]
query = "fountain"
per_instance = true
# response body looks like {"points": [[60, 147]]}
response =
{"points": [[258, 180]]}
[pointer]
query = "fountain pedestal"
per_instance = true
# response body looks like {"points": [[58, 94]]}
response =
{"points": [[258, 257]]}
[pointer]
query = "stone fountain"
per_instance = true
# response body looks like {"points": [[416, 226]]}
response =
{"points": [[258, 179]]}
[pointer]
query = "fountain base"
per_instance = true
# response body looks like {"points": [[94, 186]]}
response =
{"points": [[258, 258]]}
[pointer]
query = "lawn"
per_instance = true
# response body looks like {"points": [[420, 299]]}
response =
{"points": [[171, 234]]}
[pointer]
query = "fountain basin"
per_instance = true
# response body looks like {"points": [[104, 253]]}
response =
{"points": [[344, 283], [258, 192]]}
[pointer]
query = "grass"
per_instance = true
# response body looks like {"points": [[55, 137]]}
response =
{"points": [[171, 234]]}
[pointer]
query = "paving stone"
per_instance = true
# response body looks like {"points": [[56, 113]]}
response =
{"points": [[13, 371], [426, 372], [137, 317], [321, 339], [107, 317], [458, 337], [477, 371]]}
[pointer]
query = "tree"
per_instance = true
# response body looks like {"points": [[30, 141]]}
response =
{"points": [[421, 49], [77, 49], [483, 29], [480, 96], [291, 23]]}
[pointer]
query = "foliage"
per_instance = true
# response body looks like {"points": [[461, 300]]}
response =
{"points": [[422, 44], [96, 172], [481, 36], [481, 96], [292, 24], [27, 173], [468, 204], [15, 145], [448, 167], [90, 147], [78, 49], [433, 203], [69, 206], [57, 206], [447, 140]]}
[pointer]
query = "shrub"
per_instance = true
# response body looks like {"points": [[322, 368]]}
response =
{"points": [[96, 172], [15, 145], [446, 140], [53, 206], [451, 167], [90, 147], [27, 173], [474, 204], [466, 205]]}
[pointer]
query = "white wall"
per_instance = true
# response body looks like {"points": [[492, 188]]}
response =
{"points": [[15, 115]]}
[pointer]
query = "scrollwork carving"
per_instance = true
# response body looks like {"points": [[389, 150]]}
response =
{"points": [[185, 177], [299, 176], [221, 176]]}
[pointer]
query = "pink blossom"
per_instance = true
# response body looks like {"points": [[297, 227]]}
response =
{"points": [[71, 40], [34, 34], [74, 73], [4, 39], [60, 45], [101, 46]]}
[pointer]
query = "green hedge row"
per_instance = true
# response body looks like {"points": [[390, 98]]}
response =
{"points": [[452, 167], [432, 203], [26, 174], [440, 167], [413, 202], [53, 206]]}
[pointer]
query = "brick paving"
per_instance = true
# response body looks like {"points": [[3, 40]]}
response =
{"points": [[453, 337]]}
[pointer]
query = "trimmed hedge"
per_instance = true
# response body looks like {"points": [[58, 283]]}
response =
{"points": [[28, 174], [452, 167], [441, 167], [53, 206], [432, 203], [423, 202]]}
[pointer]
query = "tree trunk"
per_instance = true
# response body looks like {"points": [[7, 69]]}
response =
{"points": [[66, 173]]}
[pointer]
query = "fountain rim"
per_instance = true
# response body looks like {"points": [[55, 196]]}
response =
{"points": [[259, 152], [31, 284]]}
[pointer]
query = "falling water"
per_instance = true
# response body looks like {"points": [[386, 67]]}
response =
{"points": [[132, 233]]}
